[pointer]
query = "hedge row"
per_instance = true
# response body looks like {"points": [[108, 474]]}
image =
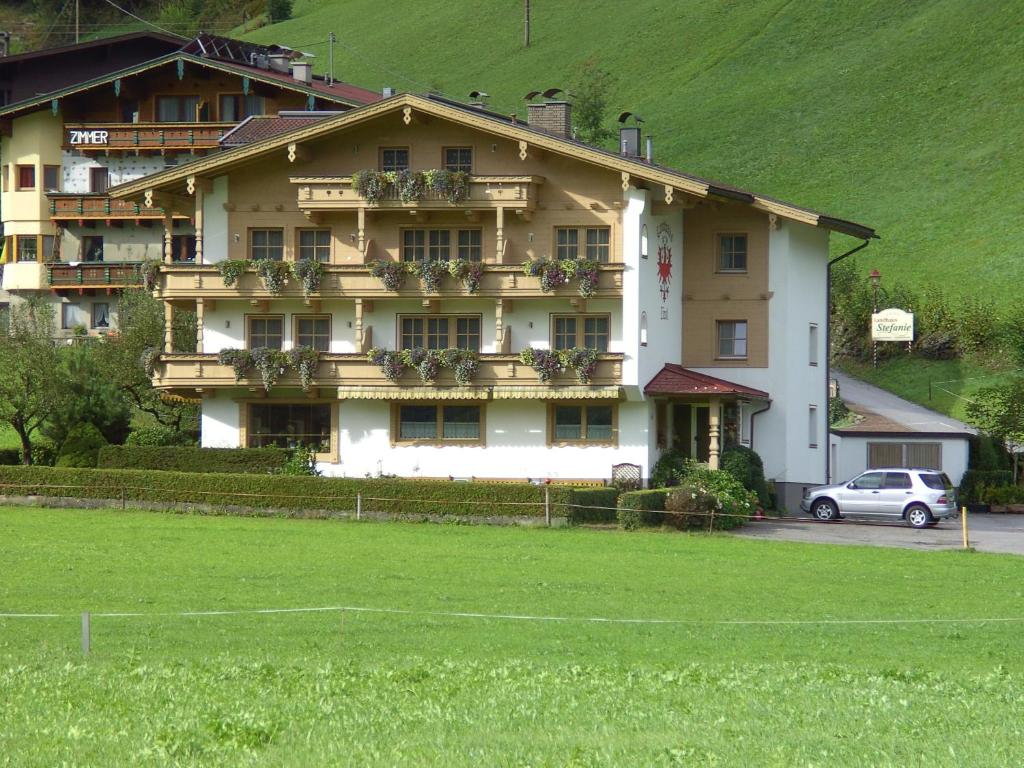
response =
{"points": [[593, 505], [289, 493], [180, 458], [10, 456], [637, 508], [974, 482]]}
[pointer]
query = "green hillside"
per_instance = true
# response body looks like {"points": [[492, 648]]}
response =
{"points": [[906, 116]]}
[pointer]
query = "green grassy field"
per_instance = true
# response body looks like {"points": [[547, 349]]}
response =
{"points": [[368, 688], [903, 116]]}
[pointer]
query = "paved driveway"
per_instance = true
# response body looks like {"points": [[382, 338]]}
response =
{"points": [[988, 533]]}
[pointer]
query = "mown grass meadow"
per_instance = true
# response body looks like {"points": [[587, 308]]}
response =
{"points": [[365, 688]]}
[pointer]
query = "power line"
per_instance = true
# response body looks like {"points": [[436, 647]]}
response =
{"points": [[137, 18]]}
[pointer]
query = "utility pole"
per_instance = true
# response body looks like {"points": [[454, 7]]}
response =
{"points": [[331, 39], [526, 31]]}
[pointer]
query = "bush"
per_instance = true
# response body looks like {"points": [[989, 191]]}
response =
{"points": [[976, 481], [279, 10], [9, 456], [81, 447], [746, 466], [669, 469], [193, 459], [44, 453], [593, 505], [1000, 494], [301, 462], [295, 496], [988, 453], [639, 508], [157, 435], [711, 500]]}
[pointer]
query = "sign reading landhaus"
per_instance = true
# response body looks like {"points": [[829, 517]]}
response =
{"points": [[892, 325]]}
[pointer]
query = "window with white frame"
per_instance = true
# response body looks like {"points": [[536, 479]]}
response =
{"points": [[732, 339]]}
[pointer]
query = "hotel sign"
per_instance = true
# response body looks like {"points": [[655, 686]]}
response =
{"points": [[892, 325], [78, 138]]}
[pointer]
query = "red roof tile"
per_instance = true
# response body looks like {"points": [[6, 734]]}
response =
{"points": [[676, 380], [261, 127]]}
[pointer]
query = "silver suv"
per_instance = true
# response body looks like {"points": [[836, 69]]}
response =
{"points": [[922, 497]]}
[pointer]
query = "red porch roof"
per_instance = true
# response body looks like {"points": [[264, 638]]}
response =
{"points": [[676, 380]]}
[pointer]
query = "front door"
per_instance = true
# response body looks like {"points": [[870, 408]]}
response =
{"points": [[703, 418], [682, 429]]}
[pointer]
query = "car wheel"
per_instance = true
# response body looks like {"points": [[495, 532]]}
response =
{"points": [[919, 517], [824, 509]]}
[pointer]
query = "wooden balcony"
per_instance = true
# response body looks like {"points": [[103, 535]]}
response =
{"points": [[353, 376], [92, 207], [203, 281], [111, 275], [139, 137], [335, 193]]}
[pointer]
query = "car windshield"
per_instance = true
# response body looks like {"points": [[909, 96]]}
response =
{"points": [[938, 482]]}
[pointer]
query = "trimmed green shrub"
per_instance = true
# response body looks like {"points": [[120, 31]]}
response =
{"points": [[710, 500], [193, 459], [157, 435], [1000, 494], [81, 447], [638, 508], [296, 496], [669, 469], [975, 481], [302, 462], [9, 456], [746, 466], [593, 505]]}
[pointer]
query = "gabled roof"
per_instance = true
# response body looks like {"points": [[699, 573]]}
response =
{"points": [[98, 43], [661, 177], [260, 127], [676, 380], [338, 92]]}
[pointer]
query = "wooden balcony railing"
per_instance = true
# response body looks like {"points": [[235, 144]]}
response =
{"points": [[203, 281], [180, 371], [68, 206], [95, 275], [331, 193], [127, 137]]}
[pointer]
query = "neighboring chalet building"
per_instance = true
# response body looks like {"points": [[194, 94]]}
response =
{"points": [[64, 140], [706, 319]]}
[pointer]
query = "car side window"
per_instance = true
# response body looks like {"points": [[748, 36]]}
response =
{"points": [[869, 481], [897, 480]]}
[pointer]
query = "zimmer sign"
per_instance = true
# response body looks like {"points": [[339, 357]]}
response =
{"points": [[78, 137], [892, 325]]}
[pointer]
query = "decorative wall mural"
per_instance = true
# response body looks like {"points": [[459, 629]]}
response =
{"points": [[664, 259]]}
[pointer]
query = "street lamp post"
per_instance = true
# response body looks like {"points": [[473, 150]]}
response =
{"points": [[875, 277]]}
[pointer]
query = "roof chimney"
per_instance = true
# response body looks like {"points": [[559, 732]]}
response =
{"points": [[302, 71], [551, 116], [629, 135], [278, 62], [387, 92]]}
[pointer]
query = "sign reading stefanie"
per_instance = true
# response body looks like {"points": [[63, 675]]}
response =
{"points": [[892, 325]]}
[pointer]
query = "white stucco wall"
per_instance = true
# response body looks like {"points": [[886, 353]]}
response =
{"points": [[219, 425], [850, 453], [122, 169], [215, 222]]}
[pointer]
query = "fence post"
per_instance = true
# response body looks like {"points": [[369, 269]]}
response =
{"points": [[86, 633], [359, 505], [122, 498], [547, 505], [711, 522], [963, 525]]}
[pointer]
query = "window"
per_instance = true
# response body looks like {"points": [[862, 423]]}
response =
{"points": [[590, 331], [812, 426], [177, 109], [6, 178], [26, 177], [288, 425], [183, 248], [910, 455], [448, 423], [73, 316], [50, 248], [598, 239], [732, 338], [51, 178], [470, 245], [458, 159], [27, 248], [812, 338], [896, 481], [567, 243], [581, 423], [99, 180], [940, 482], [234, 107], [92, 248], [869, 481], [394, 159], [315, 245], [420, 244], [265, 332], [101, 315], [266, 244], [313, 331], [732, 253], [438, 332]]}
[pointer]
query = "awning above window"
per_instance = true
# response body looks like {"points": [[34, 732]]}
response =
{"points": [[581, 392], [413, 393]]}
